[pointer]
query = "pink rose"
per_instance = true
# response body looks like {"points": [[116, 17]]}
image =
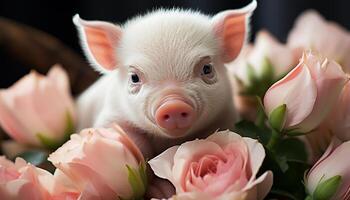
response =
{"points": [[38, 110], [312, 31], [22, 181], [96, 161], [335, 124], [334, 162], [309, 92], [339, 120], [203, 196], [223, 165]]}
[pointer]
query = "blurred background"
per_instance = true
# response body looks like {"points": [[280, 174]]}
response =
{"points": [[55, 19]]}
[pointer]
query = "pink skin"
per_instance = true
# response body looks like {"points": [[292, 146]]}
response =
{"points": [[174, 115]]}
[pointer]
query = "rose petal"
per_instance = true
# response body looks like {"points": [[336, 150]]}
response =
{"points": [[256, 155], [163, 164], [12, 125], [296, 87], [188, 152]]}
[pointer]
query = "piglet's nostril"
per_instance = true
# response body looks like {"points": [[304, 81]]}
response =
{"points": [[166, 117], [184, 114]]}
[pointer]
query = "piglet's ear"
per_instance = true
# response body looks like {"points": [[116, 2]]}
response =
{"points": [[231, 27], [99, 41]]}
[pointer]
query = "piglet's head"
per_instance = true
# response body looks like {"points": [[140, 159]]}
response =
{"points": [[169, 65]]}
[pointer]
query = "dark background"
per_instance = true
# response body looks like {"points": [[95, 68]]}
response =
{"points": [[55, 17]]}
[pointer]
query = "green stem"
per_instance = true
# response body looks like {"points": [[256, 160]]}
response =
{"points": [[260, 118], [274, 139]]}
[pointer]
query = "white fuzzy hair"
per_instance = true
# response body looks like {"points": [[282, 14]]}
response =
{"points": [[165, 45], [168, 38]]}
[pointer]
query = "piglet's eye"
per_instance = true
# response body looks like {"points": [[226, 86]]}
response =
{"points": [[207, 69], [135, 78], [208, 73]]}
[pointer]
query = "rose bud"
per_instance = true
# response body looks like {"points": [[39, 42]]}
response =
{"points": [[223, 165], [203, 196], [335, 124], [22, 181], [103, 162], [312, 31], [329, 178], [38, 110], [308, 93]]}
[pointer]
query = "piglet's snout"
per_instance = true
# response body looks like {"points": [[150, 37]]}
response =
{"points": [[174, 114]]}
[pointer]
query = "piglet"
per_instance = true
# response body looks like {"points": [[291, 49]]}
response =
{"points": [[164, 79]]}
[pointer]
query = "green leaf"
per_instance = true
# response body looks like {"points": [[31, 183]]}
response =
{"points": [[249, 129], [259, 81], [282, 163], [293, 149], [35, 157], [267, 72], [260, 103], [261, 115], [294, 133], [47, 142], [136, 182], [277, 117], [251, 74], [143, 174], [326, 189], [288, 176], [53, 144], [274, 140]]}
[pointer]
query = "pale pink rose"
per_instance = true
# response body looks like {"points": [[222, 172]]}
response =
{"points": [[203, 196], [223, 165], [309, 92], [338, 121], [22, 181], [312, 31], [281, 57], [333, 162], [64, 189], [38, 110], [96, 160]]}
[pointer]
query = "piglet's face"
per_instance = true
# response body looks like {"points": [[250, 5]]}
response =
{"points": [[170, 64]]}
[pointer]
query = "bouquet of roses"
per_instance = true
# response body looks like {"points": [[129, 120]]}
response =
{"points": [[291, 141]]}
